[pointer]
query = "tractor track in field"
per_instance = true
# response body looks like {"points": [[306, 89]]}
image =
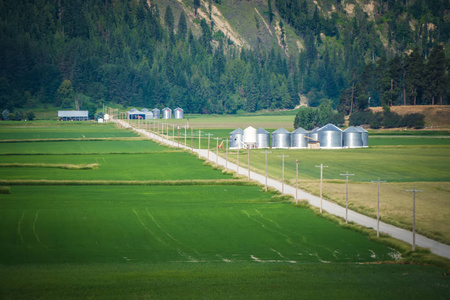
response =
{"points": [[330, 207]]}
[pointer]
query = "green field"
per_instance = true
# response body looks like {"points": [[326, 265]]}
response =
{"points": [[210, 241], [52, 130], [222, 238]]}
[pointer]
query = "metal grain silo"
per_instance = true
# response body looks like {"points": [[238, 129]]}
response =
{"points": [[281, 138], [262, 138], [156, 113], [250, 137], [178, 112], [330, 137], [167, 113], [298, 138], [314, 134], [236, 139], [365, 136], [352, 138], [145, 110]]}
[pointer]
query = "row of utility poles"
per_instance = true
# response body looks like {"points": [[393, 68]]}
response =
{"points": [[160, 127]]}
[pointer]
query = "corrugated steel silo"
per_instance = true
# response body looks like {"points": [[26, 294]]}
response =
{"points": [[298, 138], [314, 134], [365, 136], [178, 112], [156, 113], [167, 113], [144, 110], [236, 139], [262, 138], [330, 137], [352, 138], [281, 138]]}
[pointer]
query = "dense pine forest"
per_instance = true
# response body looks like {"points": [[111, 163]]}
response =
{"points": [[76, 54]]}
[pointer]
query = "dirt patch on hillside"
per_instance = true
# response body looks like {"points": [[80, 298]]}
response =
{"points": [[436, 116]]}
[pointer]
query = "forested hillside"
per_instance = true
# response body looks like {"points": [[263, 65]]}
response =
{"points": [[206, 57]]}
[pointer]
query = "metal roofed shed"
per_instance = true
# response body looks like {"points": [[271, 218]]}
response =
{"points": [[330, 137], [236, 139], [299, 138], [352, 138], [156, 113], [73, 115], [250, 137], [262, 138], [365, 136], [167, 113], [133, 114], [178, 112], [281, 138]]}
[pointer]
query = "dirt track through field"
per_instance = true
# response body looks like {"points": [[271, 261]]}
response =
{"points": [[332, 208]]}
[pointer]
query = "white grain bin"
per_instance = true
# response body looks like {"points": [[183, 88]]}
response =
{"points": [[365, 136], [178, 113], [352, 138], [250, 137], [299, 138], [236, 139], [281, 138], [148, 115], [167, 113], [262, 138], [330, 137], [106, 117], [156, 113], [314, 134]]}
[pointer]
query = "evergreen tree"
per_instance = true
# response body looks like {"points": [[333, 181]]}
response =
{"points": [[182, 27]]}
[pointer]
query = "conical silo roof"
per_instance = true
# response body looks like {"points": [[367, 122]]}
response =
{"points": [[361, 129], [145, 110], [330, 127], [299, 131], [261, 130], [237, 131], [351, 129], [280, 130]]}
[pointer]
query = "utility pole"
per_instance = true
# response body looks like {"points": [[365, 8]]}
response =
{"points": [[296, 180], [346, 196], [248, 161], [209, 140], [199, 142], [282, 172], [226, 156], [178, 136], [378, 205], [266, 152], [321, 179], [414, 217], [237, 170], [185, 143], [217, 149], [192, 139]]}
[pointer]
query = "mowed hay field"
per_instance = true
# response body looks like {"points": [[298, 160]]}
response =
{"points": [[220, 238]]}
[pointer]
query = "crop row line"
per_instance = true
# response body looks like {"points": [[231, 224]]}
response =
{"points": [[203, 182], [72, 139], [94, 153], [57, 166]]}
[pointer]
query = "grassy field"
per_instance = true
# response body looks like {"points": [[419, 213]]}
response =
{"points": [[241, 243], [54, 129], [182, 241]]}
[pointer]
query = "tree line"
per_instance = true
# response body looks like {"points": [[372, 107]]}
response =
{"points": [[80, 54]]}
